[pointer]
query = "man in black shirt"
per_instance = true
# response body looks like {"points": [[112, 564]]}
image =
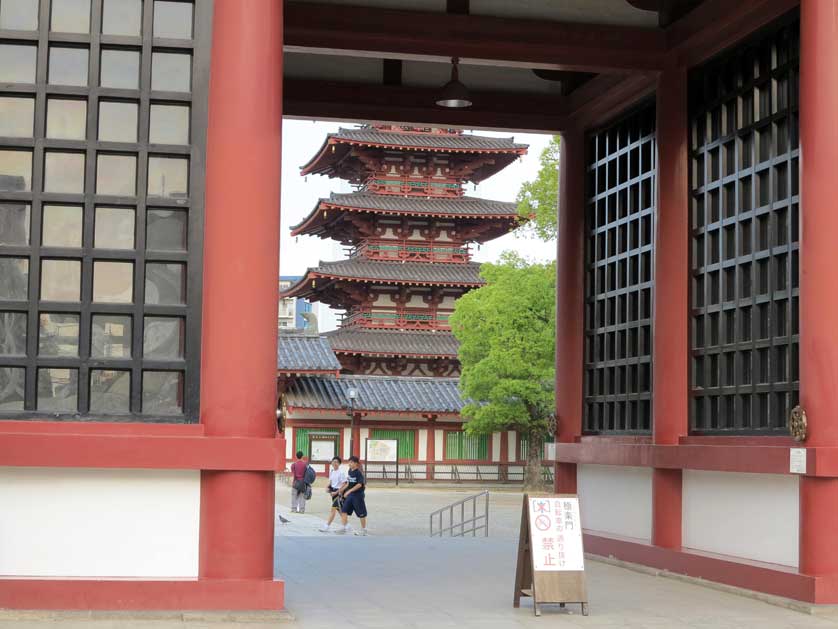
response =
{"points": [[353, 497]]}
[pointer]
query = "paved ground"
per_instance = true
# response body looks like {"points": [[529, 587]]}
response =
{"points": [[399, 577], [405, 510]]}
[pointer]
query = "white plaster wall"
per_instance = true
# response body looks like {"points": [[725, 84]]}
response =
{"points": [[512, 446], [289, 445], [496, 446], [439, 445], [422, 455], [754, 516], [616, 499], [347, 437], [70, 522], [362, 447]]}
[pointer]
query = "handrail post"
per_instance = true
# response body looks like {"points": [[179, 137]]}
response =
{"points": [[487, 514], [474, 518]]}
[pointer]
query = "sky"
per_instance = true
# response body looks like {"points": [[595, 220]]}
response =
{"points": [[301, 139]]}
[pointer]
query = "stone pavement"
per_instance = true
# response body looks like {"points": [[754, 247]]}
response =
{"points": [[382, 582]]}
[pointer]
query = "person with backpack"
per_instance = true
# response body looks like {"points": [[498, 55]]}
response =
{"points": [[299, 470], [337, 477], [352, 492]]}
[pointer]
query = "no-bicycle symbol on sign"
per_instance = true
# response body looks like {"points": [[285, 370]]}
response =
{"points": [[542, 523]]}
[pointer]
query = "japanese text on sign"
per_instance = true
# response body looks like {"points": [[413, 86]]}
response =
{"points": [[556, 534]]}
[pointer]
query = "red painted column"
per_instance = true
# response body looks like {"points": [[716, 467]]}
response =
{"points": [[670, 359], [504, 456], [431, 455], [241, 250], [570, 300], [818, 260]]}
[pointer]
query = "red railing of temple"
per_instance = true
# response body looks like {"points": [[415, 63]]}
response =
{"points": [[413, 186], [401, 318], [413, 251]]}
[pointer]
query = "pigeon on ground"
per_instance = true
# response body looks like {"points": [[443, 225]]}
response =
{"points": [[284, 520]]}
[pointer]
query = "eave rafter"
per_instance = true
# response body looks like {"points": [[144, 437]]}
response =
{"points": [[315, 283], [325, 212]]}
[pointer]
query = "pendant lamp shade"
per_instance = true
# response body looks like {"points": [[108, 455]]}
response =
{"points": [[454, 94]]}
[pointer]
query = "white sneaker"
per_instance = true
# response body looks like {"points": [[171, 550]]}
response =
{"points": [[361, 533], [324, 529], [343, 530]]}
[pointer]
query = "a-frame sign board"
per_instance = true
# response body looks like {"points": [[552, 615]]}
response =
{"points": [[551, 558]]}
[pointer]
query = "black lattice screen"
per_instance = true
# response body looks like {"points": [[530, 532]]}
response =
{"points": [[619, 282], [744, 236]]}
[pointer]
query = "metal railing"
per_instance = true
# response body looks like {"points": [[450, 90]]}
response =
{"points": [[464, 525], [487, 472]]}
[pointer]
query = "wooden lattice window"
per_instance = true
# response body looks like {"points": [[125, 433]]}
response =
{"points": [[619, 278], [745, 212], [460, 446], [102, 138]]}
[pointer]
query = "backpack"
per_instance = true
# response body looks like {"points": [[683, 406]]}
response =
{"points": [[310, 475]]}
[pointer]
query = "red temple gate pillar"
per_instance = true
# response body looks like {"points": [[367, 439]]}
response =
{"points": [[818, 261], [670, 351], [241, 250], [570, 300]]}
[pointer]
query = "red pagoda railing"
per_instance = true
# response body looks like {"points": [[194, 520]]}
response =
{"points": [[413, 186], [413, 250], [402, 318]]}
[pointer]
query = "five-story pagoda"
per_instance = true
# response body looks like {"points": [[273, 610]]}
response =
{"points": [[409, 228]]}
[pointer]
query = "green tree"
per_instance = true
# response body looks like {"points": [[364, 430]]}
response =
{"points": [[538, 200], [506, 331]]}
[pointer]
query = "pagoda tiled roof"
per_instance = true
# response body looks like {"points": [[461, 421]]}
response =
{"points": [[326, 160], [356, 340], [448, 142], [394, 394], [300, 352], [454, 207], [418, 273]]}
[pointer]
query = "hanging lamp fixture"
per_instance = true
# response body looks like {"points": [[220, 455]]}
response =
{"points": [[454, 94]]}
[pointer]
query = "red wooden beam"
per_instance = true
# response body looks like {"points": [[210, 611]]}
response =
{"points": [[395, 33], [822, 462], [141, 451], [330, 100]]}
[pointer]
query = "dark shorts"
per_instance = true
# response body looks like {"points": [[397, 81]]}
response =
{"points": [[354, 503], [336, 502]]}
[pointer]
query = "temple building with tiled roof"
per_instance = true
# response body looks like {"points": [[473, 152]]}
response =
{"points": [[410, 229]]}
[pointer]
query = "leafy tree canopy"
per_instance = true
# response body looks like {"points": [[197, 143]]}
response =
{"points": [[538, 200], [506, 331]]}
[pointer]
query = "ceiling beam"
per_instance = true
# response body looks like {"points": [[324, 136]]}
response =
{"points": [[602, 98], [399, 34], [715, 25], [327, 100]]}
